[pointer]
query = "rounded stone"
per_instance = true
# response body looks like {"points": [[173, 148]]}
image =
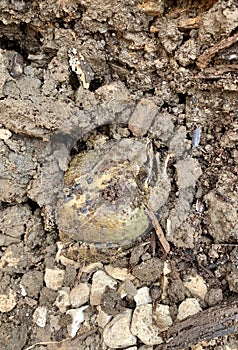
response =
{"points": [[104, 194]]}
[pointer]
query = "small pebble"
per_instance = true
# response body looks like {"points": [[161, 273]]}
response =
{"points": [[196, 137], [5, 134], [17, 66], [39, 316]]}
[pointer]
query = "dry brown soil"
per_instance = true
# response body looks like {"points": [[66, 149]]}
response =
{"points": [[87, 67]]}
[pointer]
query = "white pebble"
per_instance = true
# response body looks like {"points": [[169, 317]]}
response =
{"points": [[77, 318], [196, 137], [142, 296], [39, 316], [5, 134]]}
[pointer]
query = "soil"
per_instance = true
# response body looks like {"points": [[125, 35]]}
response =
{"points": [[75, 70]]}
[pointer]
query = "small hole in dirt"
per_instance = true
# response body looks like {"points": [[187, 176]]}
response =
{"points": [[14, 46], [80, 147], [33, 205], [182, 98], [149, 92], [4, 205], [165, 106], [73, 81], [95, 84]]}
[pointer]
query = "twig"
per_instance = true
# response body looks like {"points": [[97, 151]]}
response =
{"points": [[160, 234], [46, 343], [205, 58], [80, 337], [214, 322]]}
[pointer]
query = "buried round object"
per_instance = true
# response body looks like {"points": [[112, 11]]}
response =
{"points": [[106, 191]]}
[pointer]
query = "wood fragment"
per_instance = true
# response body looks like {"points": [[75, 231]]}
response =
{"points": [[205, 58], [189, 23], [159, 232], [215, 322], [217, 71]]}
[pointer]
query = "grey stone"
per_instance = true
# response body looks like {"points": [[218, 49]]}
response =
{"points": [[142, 117]]}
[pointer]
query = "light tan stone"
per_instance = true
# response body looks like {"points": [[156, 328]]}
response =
{"points": [[101, 280], [8, 300], [162, 317], [117, 332], [54, 278], [79, 295], [197, 286], [143, 327], [188, 307]]}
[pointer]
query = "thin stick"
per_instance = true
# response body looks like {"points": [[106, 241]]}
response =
{"points": [[80, 337], [46, 343], [160, 234]]}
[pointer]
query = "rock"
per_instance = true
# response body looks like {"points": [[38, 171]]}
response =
{"points": [[5, 134], [118, 274], [117, 332], [196, 285], [39, 316], [189, 177], [31, 302], [54, 278], [100, 281], [142, 296], [70, 275], [54, 321], [163, 126], [178, 143], [23, 290], [62, 300], [112, 303], [188, 307], [149, 270], [33, 282], [127, 288], [13, 220], [8, 300], [63, 260], [79, 295], [143, 327], [214, 296], [162, 317], [232, 280], [221, 215], [175, 290], [102, 318], [47, 296], [92, 267], [77, 318], [142, 117]]}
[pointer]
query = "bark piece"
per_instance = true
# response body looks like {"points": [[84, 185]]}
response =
{"points": [[205, 58], [215, 322]]}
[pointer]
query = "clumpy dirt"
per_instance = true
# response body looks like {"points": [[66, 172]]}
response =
{"points": [[72, 73]]}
